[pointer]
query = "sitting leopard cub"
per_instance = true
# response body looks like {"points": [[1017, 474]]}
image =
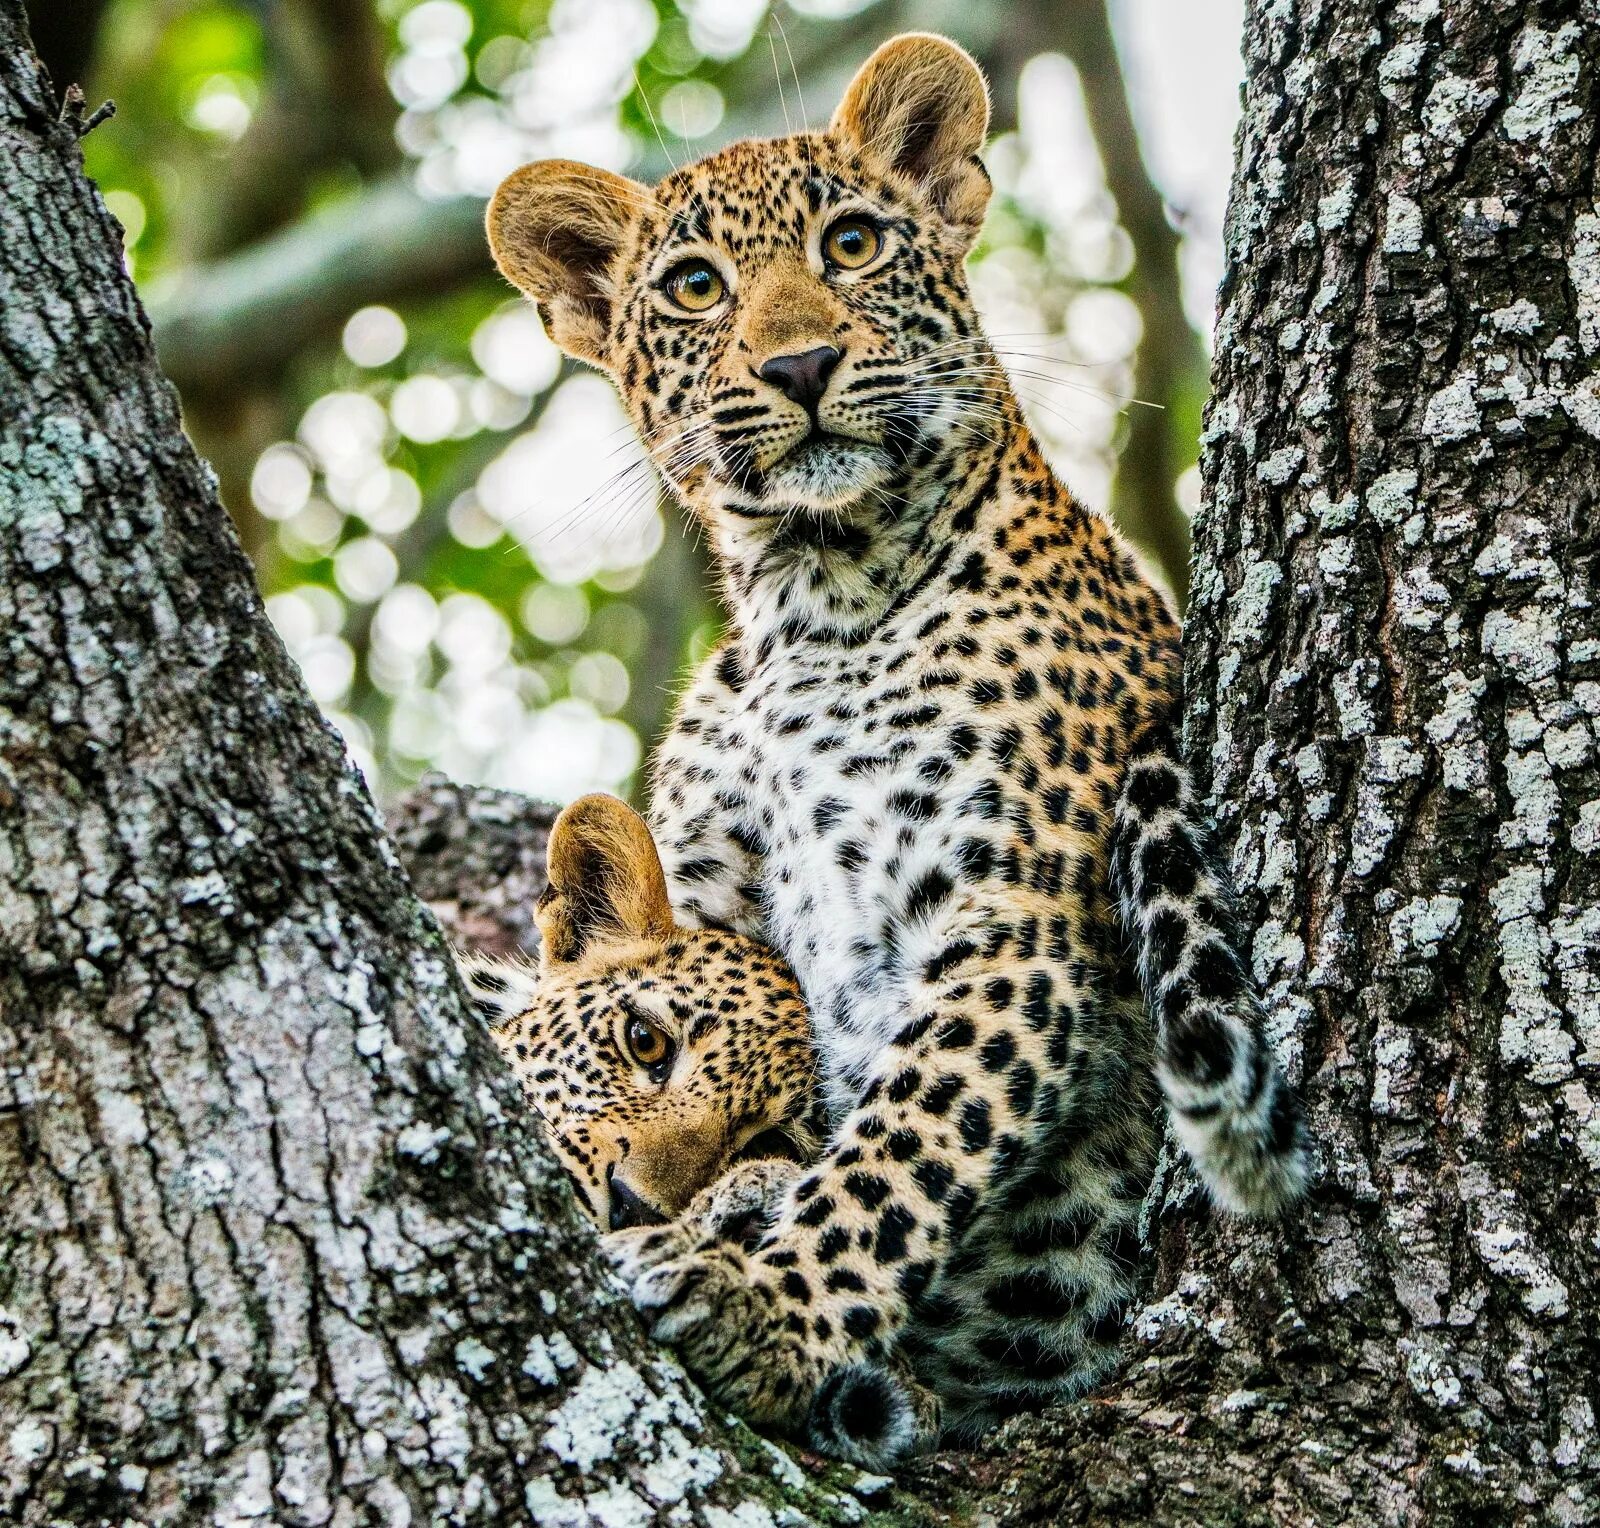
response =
{"points": [[673, 1068], [933, 765]]}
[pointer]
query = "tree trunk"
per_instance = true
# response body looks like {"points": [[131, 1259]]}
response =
{"points": [[280, 1243]]}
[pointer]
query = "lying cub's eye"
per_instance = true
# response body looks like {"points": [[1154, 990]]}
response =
{"points": [[694, 286], [650, 1045], [851, 243]]}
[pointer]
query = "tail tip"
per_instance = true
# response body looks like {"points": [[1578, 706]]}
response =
{"points": [[864, 1413], [1256, 1171]]}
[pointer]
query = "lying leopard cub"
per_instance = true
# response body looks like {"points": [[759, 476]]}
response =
{"points": [[658, 1057], [675, 1075]]}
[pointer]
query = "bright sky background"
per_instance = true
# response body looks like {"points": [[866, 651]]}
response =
{"points": [[1184, 71]]}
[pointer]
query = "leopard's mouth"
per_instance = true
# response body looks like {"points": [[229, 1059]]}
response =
{"points": [[772, 1142], [827, 471]]}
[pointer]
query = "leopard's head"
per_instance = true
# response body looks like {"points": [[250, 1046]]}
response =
{"points": [[788, 320], [656, 1055]]}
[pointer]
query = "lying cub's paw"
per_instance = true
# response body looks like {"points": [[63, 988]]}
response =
{"points": [[744, 1329], [742, 1203], [639, 1248]]}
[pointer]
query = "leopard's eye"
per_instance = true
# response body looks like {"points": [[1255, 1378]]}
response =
{"points": [[649, 1045], [694, 286], [851, 243]]}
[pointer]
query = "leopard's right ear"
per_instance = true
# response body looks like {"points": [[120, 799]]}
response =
{"points": [[556, 228], [606, 882]]}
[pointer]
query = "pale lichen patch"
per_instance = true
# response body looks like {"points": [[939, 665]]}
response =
{"points": [[474, 1358], [1452, 413], [1519, 317], [1402, 227], [1422, 925], [748, 1514], [15, 1349], [1507, 1248], [608, 1405], [1334, 209], [1454, 108], [1546, 66]]}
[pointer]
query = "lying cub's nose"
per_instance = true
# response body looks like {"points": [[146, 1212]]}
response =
{"points": [[628, 1209], [802, 378]]}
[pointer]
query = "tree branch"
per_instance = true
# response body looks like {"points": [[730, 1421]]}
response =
{"points": [[1170, 365]]}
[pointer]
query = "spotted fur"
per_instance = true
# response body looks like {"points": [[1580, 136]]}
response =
{"points": [[931, 765], [736, 1081]]}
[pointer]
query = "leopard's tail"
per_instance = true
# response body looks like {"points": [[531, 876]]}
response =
{"points": [[1231, 1107], [875, 1414]]}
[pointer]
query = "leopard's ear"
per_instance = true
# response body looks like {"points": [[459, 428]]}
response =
{"points": [[606, 882], [920, 106], [556, 229]]}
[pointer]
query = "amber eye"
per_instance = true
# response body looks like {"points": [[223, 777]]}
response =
{"points": [[851, 243], [694, 286], [650, 1045]]}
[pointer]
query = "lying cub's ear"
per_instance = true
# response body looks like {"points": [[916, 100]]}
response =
{"points": [[920, 106], [556, 228], [606, 881]]}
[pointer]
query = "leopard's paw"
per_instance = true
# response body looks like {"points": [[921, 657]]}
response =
{"points": [[740, 1329], [636, 1250], [742, 1203]]}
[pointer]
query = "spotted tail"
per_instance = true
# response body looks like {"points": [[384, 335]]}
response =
{"points": [[1231, 1107]]}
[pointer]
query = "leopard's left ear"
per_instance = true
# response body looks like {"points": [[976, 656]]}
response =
{"points": [[606, 881], [920, 106]]}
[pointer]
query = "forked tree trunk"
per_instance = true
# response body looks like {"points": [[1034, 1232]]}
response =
{"points": [[277, 1243]]}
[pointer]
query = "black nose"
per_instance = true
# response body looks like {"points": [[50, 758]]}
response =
{"points": [[628, 1209], [803, 377]]}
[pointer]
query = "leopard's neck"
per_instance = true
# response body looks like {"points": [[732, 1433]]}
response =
{"points": [[798, 578]]}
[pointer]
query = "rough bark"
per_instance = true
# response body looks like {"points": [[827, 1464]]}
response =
{"points": [[1393, 664]]}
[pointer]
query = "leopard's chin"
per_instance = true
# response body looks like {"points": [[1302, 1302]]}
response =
{"points": [[829, 473]]}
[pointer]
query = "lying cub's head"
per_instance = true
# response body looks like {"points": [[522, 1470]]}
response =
{"points": [[788, 320], [656, 1055]]}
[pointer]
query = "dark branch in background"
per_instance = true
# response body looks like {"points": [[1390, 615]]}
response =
{"points": [[1170, 367], [74, 111], [239, 321], [326, 107], [64, 35], [675, 599]]}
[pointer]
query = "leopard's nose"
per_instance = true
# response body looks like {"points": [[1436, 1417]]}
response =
{"points": [[803, 377], [628, 1209]]}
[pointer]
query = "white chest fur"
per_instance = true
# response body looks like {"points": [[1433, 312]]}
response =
{"points": [[866, 792]]}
